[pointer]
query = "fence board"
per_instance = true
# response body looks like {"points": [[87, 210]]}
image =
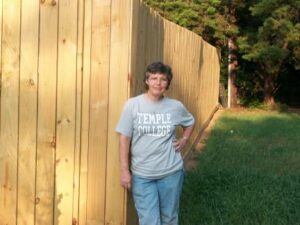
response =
{"points": [[1, 22], [118, 93], [85, 112], [9, 110], [98, 111], [134, 45], [129, 211], [28, 111], [78, 114], [66, 100], [46, 136]]}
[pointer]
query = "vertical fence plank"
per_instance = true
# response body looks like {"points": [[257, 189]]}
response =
{"points": [[46, 144], [200, 83], [205, 95], [134, 42], [131, 217], [118, 84], [198, 42], [1, 22], [142, 36], [201, 107], [98, 111], [217, 76], [78, 126], [166, 35], [28, 111], [9, 110], [85, 112], [66, 99]]}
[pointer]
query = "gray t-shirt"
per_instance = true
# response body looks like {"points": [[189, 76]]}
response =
{"points": [[151, 126]]}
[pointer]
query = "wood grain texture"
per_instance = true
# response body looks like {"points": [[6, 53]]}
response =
{"points": [[78, 111], [130, 213], [28, 111], [46, 137], [86, 71], [118, 93], [1, 25], [9, 110], [100, 53], [66, 106]]}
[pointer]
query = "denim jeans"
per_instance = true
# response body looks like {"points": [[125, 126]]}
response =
{"points": [[157, 200]]}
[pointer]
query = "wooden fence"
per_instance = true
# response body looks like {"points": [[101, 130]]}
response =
{"points": [[67, 67]]}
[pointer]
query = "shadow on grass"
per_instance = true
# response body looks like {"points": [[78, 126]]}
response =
{"points": [[248, 173]]}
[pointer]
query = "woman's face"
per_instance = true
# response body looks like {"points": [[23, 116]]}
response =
{"points": [[157, 84]]}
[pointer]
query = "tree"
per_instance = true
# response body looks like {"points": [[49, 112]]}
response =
{"points": [[182, 12], [232, 56], [274, 41]]}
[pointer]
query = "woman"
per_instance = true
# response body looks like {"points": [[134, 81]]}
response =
{"points": [[148, 123]]}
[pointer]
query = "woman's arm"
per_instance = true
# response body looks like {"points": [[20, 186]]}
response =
{"points": [[182, 142], [124, 161]]}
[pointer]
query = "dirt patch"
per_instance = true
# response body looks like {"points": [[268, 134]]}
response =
{"points": [[190, 162]]}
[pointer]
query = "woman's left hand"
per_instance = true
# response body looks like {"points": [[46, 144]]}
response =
{"points": [[179, 144]]}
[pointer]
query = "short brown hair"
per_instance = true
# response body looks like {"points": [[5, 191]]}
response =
{"points": [[158, 67]]}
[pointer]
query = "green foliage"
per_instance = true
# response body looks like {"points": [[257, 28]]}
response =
{"points": [[274, 41], [208, 18], [276, 38], [183, 13]]}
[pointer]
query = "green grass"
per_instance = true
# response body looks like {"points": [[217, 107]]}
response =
{"points": [[248, 173]]}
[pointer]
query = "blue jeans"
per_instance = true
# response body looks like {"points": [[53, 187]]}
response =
{"points": [[157, 200]]}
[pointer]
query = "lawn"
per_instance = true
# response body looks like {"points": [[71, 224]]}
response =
{"points": [[248, 172]]}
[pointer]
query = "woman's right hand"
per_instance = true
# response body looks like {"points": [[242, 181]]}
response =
{"points": [[126, 179]]}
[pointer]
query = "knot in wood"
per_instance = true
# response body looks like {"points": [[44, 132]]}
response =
{"points": [[31, 82], [53, 2], [37, 200], [53, 142], [74, 221]]}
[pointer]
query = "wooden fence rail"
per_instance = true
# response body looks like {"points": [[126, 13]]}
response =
{"points": [[67, 67]]}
